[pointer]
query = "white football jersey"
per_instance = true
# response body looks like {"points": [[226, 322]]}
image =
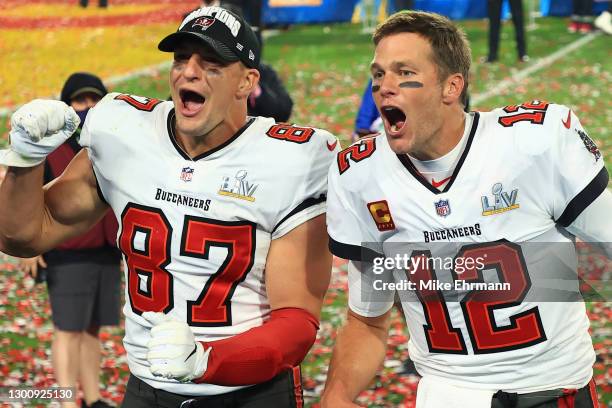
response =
{"points": [[526, 172], [195, 234]]}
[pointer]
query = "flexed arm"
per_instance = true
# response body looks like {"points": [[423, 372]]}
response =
{"points": [[34, 219]]}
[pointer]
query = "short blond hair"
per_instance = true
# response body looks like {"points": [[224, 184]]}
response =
{"points": [[451, 48]]}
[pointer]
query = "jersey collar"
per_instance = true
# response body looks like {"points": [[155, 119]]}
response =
{"points": [[405, 160], [171, 124]]}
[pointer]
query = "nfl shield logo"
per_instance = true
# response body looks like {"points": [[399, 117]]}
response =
{"points": [[186, 174], [442, 208]]}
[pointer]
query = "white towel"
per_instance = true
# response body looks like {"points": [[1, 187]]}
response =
{"points": [[436, 393]]}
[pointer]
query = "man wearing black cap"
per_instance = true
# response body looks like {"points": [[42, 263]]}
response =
{"points": [[83, 276], [221, 216], [83, 90]]}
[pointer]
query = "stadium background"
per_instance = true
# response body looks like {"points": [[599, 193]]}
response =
{"points": [[325, 69]]}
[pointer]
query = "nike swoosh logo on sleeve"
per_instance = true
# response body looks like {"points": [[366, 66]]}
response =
{"points": [[568, 122], [332, 146]]}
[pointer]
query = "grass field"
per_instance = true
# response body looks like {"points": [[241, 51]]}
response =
{"points": [[325, 70]]}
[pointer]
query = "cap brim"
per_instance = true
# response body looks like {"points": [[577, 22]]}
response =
{"points": [[10, 158], [169, 44], [87, 89]]}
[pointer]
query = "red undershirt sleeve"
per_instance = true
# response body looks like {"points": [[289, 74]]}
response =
{"points": [[259, 354]]}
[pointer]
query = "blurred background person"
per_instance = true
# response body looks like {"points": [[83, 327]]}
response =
{"points": [[581, 19], [270, 98], [83, 274], [368, 119], [101, 3], [494, 9]]}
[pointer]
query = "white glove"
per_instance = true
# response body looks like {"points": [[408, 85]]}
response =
{"points": [[173, 351], [38, 128]]}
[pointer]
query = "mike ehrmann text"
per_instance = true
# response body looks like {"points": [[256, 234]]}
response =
{"points": [[434, 284]]}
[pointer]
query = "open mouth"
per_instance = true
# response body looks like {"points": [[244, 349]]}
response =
{"points": [[192, 101], [394, 117]]}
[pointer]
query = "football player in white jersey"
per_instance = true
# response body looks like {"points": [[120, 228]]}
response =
{"points": [[477, 185], [221, 216]]}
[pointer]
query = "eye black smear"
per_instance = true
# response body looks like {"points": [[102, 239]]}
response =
{"points": [[375, 88], [409, 84]]}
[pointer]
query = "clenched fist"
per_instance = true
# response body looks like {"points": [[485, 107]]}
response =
{"points": [[173, 350], [38, 128]]}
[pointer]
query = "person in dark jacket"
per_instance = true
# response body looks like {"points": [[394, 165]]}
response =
{"points": [[270, 98], [494, 8], [82, 274]]}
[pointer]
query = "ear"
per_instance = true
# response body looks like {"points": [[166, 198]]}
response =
{"points": [[453, 86], [248, 82]]}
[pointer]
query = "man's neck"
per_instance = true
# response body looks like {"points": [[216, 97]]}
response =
{"points": [[195, 146], [444, 139]]}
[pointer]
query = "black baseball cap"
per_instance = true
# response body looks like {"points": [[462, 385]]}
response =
{"points": [[225, 32], [80, 83]]}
